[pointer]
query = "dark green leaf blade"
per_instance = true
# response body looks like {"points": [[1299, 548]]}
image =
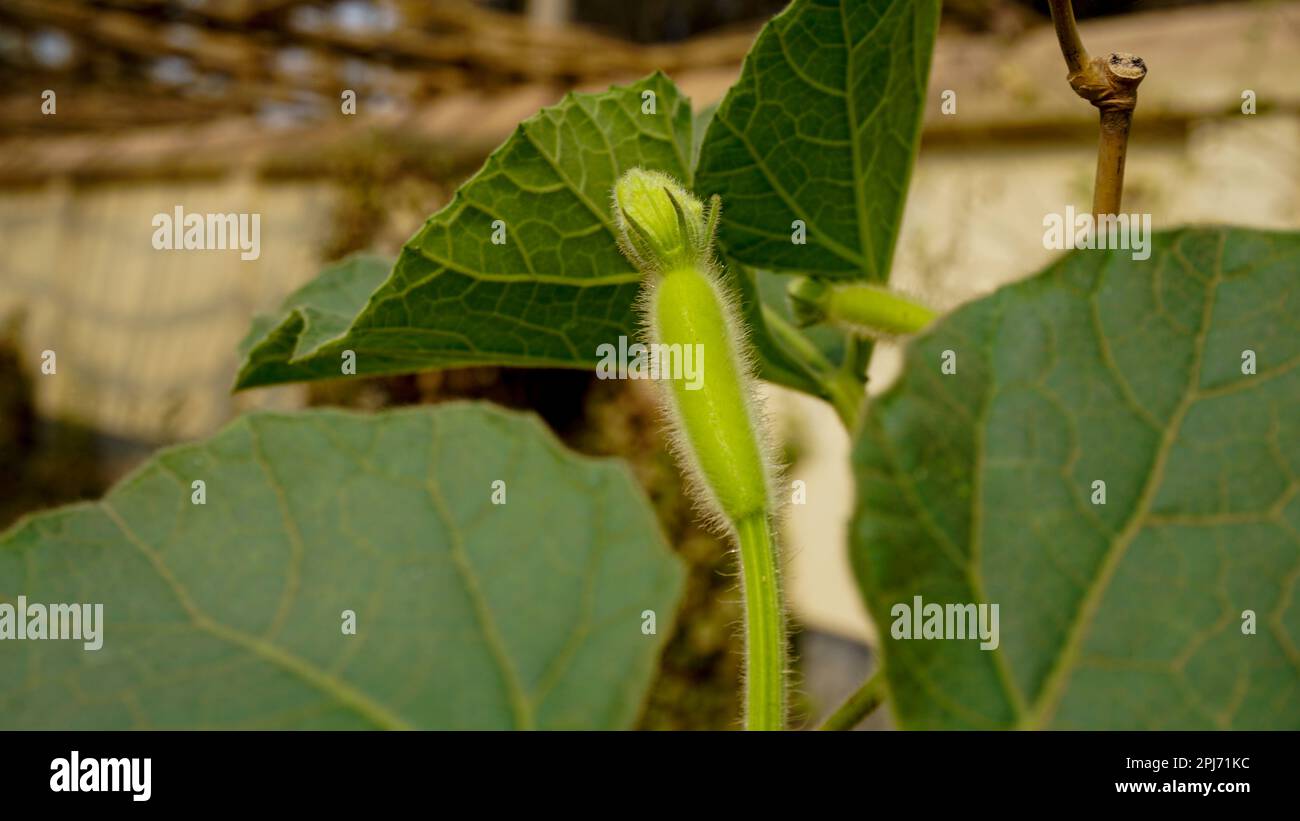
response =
{"points": [[827, 339], [228, 614], [761, 296], [786, 355], [551, 292], [978, 487], [822, 127], [310, 317]]}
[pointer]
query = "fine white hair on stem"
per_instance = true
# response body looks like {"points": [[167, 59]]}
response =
{"points": [[721, 439], [698, 488]]}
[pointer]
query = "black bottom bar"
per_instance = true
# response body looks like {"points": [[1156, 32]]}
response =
{"points": [[550, 771]]}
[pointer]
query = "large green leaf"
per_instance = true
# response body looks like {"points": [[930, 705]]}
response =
{"points": [[978, 487], [228, 614], [799, 358], [549, 295], [822, 127]]}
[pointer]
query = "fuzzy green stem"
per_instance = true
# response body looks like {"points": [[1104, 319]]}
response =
{"points": [[859, 705], [842, 390], [857, 355], [845, 393], [764, 627]]}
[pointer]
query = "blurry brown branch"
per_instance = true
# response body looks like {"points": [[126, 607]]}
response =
{"points": [[1109, 83]]}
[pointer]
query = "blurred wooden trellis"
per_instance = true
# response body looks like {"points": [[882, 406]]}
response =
{"points": [[234, 105], [151, 61]]}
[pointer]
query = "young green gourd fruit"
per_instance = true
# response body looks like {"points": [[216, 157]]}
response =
{"points": [[870, 310], [716, 425]]}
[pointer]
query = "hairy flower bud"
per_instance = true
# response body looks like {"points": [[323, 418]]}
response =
{"points": [[662, 226], [808, 299]]}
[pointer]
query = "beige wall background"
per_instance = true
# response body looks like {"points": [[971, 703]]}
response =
{"points": [[145, 339]]}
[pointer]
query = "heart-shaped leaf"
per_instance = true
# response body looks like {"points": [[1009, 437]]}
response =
{"points": [[1104, 466], [469, 613], [822, 128], [521, 268]]}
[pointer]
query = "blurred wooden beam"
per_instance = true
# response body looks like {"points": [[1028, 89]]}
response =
{"points": [[543, 14]]}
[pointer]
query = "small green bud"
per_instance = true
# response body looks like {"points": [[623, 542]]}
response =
{"points": [[869, 309], [808, 298], [662, 226]]}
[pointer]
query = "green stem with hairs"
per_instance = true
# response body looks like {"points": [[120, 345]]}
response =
{"points": [[668, 234], [845, 393], [857, 355], [842, 390], [764, 626]]}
